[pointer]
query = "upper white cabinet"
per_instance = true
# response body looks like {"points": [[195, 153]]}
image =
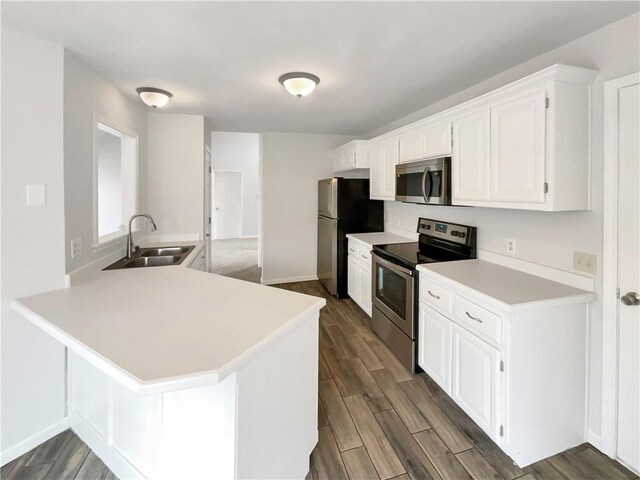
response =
{"points": [[471, 155], [518, 148], [351, 156], [522, 146], [425, 140], [384, 158]]}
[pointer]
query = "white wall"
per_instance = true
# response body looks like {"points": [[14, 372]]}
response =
{"points": [[33, 260], [291, 166], [546, 238], [175, 175], [241, 152], [86, 93]]}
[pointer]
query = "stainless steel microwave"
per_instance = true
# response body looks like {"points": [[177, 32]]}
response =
{"points": [[426, 182]]}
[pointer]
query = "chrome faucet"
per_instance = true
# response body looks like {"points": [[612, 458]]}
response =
{"points": [[130, 238]]}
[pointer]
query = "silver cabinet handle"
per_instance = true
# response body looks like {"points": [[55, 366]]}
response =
{"points": [[364, 256], [473, 318], [434, 296]]}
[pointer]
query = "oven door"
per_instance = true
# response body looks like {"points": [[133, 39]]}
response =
{"points": [[393, 289], [424, 182]]}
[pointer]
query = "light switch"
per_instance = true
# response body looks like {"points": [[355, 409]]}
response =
{"points": [[36, 195]]}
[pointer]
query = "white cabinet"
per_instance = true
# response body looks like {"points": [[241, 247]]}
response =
{"points": [[384, 158], [518, 148], [474, 385], [434, 346], [359, 274], [351, 156], [499, 361], [471, 156], [425, 141]]}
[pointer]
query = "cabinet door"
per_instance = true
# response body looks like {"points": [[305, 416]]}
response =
{"points": [[410, 146], [436, 140], [434, 346], [361, 156], [475, 379], [518, 149], [365, 289], [470, 161], [389, 162], [376, 172], [353, 279]]}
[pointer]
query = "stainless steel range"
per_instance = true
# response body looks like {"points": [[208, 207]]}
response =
{"points": [[395, 281]]}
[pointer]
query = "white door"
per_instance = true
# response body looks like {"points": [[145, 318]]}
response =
{"points": [[207, 208], [365, 289], [628, 431], [518, 149], [389, 161], [227, 221], [474, 383], [436, 141], [470, 160], [434, 346], [353, 279]]}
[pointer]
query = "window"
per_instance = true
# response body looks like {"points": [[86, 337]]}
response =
{"points": [[115, 180]]}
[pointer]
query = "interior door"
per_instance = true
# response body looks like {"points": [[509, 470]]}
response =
{"points": [[628, 431], [227, 221]]}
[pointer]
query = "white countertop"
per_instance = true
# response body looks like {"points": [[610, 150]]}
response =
{"points": [[167, 328], [380, 238], [506, 285]]}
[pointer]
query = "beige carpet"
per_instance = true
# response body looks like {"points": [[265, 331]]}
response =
{"points": [[237, 258]]}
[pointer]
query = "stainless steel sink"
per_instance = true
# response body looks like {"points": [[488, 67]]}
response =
{"points": [[153, 257], [155, 261], [162, 251]]}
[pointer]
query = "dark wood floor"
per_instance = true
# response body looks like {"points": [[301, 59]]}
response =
{"points": [[375, 419]]}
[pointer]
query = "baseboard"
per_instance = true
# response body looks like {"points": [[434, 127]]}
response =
{"points": [[593, 438], [33, 441], [274, 281]]}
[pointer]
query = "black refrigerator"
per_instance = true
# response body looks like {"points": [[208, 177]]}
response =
{"points": [[343, 207]]}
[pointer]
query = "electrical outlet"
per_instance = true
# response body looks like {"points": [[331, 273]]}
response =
{"points": [[585, 262], [511, 246], [76, 247]]}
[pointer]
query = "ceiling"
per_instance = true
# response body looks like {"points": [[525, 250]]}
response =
{"points": [[377, 61]]}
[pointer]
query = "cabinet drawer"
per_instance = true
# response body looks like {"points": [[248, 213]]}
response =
{"points": [[365, 256], [477, 319], [354, 250], [435, 295]]}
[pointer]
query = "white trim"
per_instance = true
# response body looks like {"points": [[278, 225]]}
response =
{"points": [[275, 281], [550, 273], [33, 441], [594, 439], [608, 431], [249, 236], [120, 131]]}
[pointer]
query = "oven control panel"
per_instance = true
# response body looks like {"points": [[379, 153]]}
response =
{"points": [[447, 231]]}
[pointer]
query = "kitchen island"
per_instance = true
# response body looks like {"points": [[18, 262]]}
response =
{"points": [[177, 373]]}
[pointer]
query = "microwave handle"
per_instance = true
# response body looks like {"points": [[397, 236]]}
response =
{"points": [[424, 185]]}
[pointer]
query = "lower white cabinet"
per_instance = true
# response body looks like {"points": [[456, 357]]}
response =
{"points": [[474, 383], [434, 346], [518, 370], [359, 274]]}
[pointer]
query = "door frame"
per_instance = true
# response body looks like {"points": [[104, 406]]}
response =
{"points": [[208, 176], [610, 303], [213, 197]]}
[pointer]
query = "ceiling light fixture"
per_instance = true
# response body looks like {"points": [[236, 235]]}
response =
{"points": [[299, 84], [154, 97]]}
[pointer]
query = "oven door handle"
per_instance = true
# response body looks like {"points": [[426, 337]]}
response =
{"points": [[392, 266]]}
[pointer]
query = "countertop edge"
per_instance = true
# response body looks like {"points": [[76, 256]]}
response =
{"points": [[168, 384]]}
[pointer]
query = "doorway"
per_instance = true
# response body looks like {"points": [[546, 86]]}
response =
{"points": [[621, 319]]}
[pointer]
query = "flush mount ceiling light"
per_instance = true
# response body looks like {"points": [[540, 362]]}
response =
{"points": [[299, 84], [154, 97]]}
